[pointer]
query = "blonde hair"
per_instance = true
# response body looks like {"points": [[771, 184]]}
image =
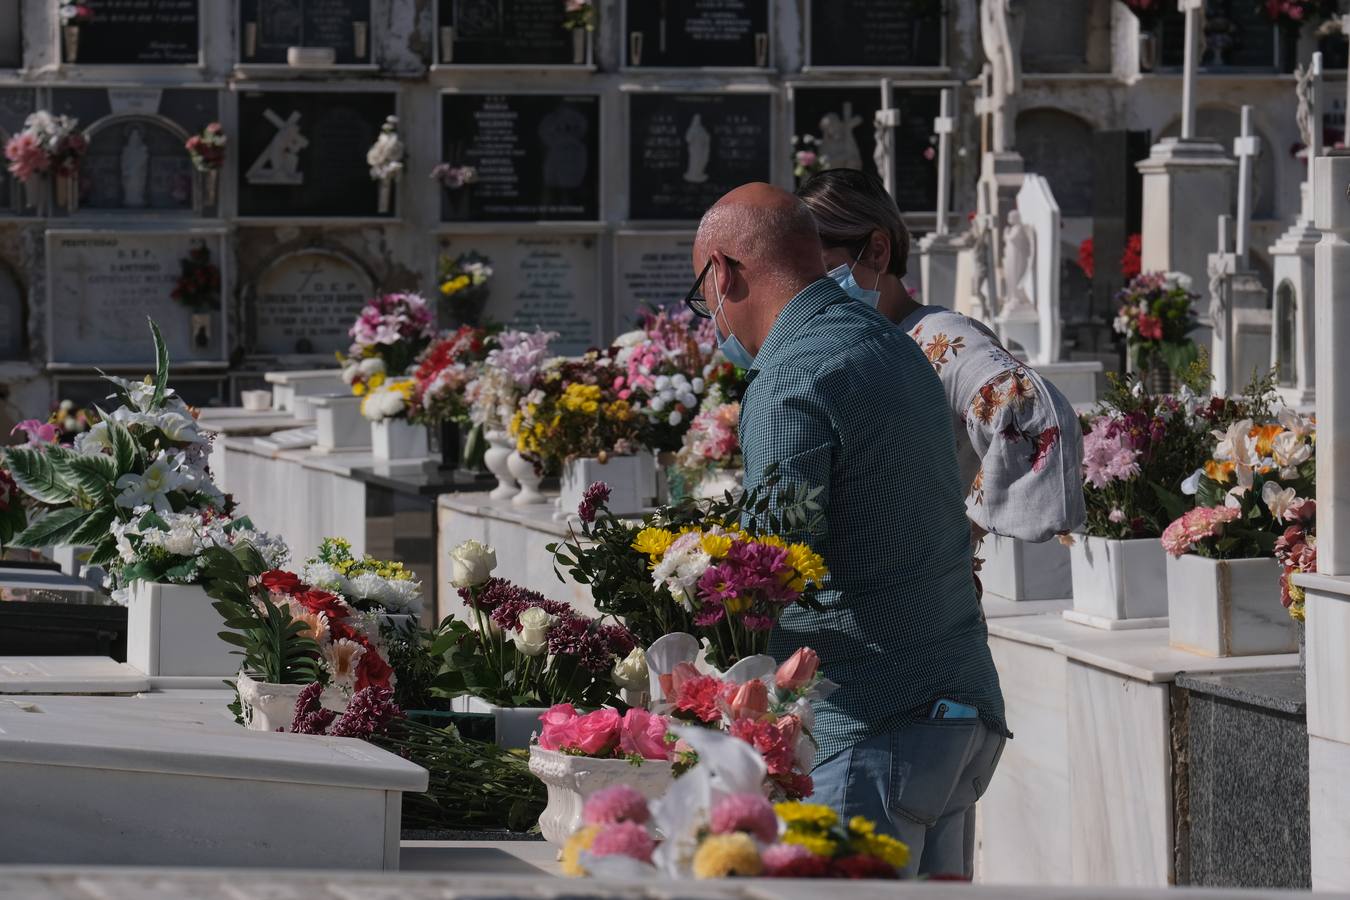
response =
{"points": [[848, 206]]}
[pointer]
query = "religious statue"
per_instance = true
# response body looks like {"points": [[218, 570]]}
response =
{"points": [[279, 162], [885, 143], [700, 150], [1305, 88], [135, 168], [1019, 255], [1001, 26], [566, 161], [837, 143]]}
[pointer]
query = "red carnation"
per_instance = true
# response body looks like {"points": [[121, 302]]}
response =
{"points": [[372, 670], [280, 582], [316, 600], [1150, 328]]}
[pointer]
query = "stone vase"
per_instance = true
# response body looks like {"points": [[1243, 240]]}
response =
{"points": [[266, 706], [1118, 581], [529, 478], [397, 439], [1148, 51], [447, 43], [1227, 607], [173, 630], [360, 39], [570, 780], [579, 48], [386, 194], [495, 458], [631, 480], [717, 483], [1020, 570]]}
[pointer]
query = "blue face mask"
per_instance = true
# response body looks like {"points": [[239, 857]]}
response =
{"points": [[731, 346], [843, 276]]}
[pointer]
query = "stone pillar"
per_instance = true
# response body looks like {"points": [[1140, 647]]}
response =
{"points": [[1332, 210], [937, 268], [1187, 186]]}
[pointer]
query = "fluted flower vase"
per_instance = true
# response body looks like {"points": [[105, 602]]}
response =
{"points": [[570, 780], [529, 478], [496, 458]]}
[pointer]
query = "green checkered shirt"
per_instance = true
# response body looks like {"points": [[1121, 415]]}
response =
{"points": [[842, 399]]}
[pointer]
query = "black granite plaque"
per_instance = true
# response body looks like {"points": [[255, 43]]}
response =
{"points": [[876, 33], [916, 171], [137, 33], [303, 153], [840, 120], [537, 156], [505, 32], [1335, 51], [11, 34], [1237, 36], [697, 33], [269, 28], [686, 150]]}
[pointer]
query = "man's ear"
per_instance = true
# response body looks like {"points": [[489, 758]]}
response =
{"points": [[878, 253], [723, 273]]}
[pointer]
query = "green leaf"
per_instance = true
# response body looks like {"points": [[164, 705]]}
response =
{"points": [[94, 529], [55, 527], [161, 365], [35, 474], [126, 453], [92, 476]]}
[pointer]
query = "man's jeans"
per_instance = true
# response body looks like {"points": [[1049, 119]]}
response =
{"points": [[919, 785]]}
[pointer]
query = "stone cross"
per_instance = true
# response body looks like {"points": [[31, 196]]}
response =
{"points": [[944, 125], [1222, 267], [1195, 20], [984, 106], [884, 123], [1246, 148]]}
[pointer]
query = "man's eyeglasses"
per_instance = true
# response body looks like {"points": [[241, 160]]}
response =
{"points": [[697, 303]]}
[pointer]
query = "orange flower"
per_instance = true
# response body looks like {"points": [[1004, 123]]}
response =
{"points": [[1219, 471], [1265, 438]]}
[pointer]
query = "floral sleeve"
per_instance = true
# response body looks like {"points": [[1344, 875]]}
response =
{"points": [[1027, 437]]}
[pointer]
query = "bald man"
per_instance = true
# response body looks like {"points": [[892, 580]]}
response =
{"points": [[841, 399]]}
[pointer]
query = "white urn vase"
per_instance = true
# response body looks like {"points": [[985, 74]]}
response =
{"points": [[718, 483], [397, 439], [1118, 584], [271, 707], [496, 458], [1227, 607], [174, 631], [529, 479], [570, 780]]}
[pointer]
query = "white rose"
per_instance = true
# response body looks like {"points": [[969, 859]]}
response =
{"points": [[535, 619], [471, 564], [631, 671], [532, 639]]}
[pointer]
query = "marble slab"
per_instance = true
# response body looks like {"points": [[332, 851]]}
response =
{"points": [[43, 580], [1328, 761], [69, 675], [1328, 636], [996, 607], [1019, 570], [1107, 623], [1120, 779]]}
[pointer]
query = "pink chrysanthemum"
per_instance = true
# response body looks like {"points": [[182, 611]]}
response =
{"points": [[620, 803], [624, 839], [783, 856], [750, 813]]}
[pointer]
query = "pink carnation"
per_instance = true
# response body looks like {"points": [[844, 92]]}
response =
{"points": [[780, 857], [624, 839], [750, 813], [1196, 525], [620, 803]]}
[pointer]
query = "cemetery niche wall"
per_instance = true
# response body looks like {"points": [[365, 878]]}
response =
{"points": [[302, 153], [686, 150], [135, 33], [537, 157], [507, 33], [282, 32], [303, 303], [705, 34], [15, 105]]}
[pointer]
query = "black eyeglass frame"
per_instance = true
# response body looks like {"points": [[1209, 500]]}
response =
{"points": [[697, 303]]}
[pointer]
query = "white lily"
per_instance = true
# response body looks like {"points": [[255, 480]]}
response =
{"points": [[1290, 450], [152, 488], [1277, 501], [1236, 444]]}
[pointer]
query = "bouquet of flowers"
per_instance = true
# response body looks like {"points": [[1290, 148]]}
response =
{"points": [[385, 156], [717, 569], [507, 372], [167, 547], [637, 735], [1297, 13], [147, 454], [712, 443], [715, 822], [71, 420], [367, 584], [574, 409], [391, 399], [443, 374], [464, 284], [452, 178], [47, 143], [579, 14], [1260, 479], [1156, 316], [807, 160], [198, 284], [389, 334], [39, 434], [661, 373], [522, 649], [206, 149]]}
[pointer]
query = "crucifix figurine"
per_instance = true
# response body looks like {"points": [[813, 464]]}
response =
{"points": [[884, 123], [1195, 23]]}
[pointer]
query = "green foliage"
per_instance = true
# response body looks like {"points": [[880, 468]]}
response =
{"points": [[161, 365]]}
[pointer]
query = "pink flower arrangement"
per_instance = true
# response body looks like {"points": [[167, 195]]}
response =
{"points": [[713, 441], [1197, 525], [391, 318], [26, 156], [1296, 551], [1298, 12], [39, 433], [1107, 453], [604, 734]]}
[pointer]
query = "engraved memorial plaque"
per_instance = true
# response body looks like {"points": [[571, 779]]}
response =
{"points": [[504, 33], [305, 303], [875, 34], [269, 28], [696, 33], [136, 33]]}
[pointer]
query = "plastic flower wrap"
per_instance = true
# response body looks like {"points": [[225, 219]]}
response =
{"points": [[389, 334], [366, 583], [389, 400], [714, 822], [443, 375]]}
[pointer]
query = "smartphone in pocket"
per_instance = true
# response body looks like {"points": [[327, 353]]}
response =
{"points": [[950, 709]]}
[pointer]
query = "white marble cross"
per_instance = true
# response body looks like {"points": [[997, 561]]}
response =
{"points": [[985, 106], [1246, 148], [1195, 19], [944, 125], [886, 120]]}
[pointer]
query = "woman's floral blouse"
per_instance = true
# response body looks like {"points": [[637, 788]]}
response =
{"points": [[1017, 437]]}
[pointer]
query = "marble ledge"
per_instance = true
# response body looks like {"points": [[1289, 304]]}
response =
{"points": [[69, 675], [1143, 654], [996, 607], [338, 462], [1280, 691], [479, 504], [1333, 585]]}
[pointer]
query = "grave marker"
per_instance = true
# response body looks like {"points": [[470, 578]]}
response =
{"points": [[652, 268], [269, 28], [874, 34], [138, 33], [706, 34], [305, 303], [504, 33]]}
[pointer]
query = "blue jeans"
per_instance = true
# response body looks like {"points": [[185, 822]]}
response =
{"points": [[919, 785]]}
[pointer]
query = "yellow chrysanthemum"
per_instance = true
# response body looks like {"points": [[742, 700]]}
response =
{"points": [[882, 847], [809, 565], [716, 545], [810, 840], [376, 380], [653, 541], [859, 826], [736, 605], [772, 540], [807, 815], [583, 398], [358, 389], [576, 845], [727, 855]]}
